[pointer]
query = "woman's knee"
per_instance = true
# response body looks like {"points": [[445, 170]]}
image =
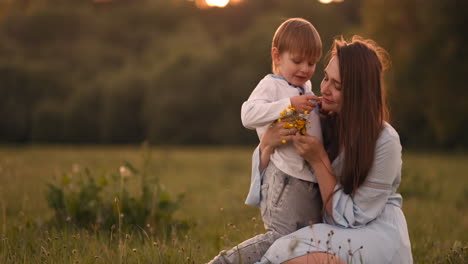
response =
{"points": [[316, 258]]}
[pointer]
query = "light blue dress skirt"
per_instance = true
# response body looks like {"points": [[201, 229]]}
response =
{"points": [[384, 240]]}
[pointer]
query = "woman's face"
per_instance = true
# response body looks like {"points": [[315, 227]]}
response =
{"points": [[331, 87]]}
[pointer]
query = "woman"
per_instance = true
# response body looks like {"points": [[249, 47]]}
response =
{"points": [[358, 168]]}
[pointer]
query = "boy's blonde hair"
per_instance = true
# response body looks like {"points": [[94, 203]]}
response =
{"points": [[299, 37]]}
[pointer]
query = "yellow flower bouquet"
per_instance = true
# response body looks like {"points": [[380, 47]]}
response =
{"points": [[295, 120]]}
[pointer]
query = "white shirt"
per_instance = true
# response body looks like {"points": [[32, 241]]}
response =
{"points": [[270, 97]]}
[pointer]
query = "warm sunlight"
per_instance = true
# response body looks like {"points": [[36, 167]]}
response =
{"points": [[329, 1], [218, 3]]}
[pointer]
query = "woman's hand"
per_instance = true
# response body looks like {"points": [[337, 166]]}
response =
{"points": [[309, 147], [275, 136]]}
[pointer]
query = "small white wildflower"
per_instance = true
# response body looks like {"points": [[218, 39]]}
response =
{"points": [[125, 172], [293, 244]]}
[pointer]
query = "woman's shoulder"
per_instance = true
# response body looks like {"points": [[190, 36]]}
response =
{"points": [[388, 136], [388, 133]]}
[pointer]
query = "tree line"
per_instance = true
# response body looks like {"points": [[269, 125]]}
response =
{"points": [[169, 73]]}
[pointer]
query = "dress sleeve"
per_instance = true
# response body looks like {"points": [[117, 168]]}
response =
{"points": [[254, 195], [262, 107], [370, 198]]}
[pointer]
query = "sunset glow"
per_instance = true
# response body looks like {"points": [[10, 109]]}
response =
{"points": [[218, 3]]}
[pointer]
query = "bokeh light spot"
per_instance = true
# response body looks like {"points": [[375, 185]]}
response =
{"points": [[218, 3]]}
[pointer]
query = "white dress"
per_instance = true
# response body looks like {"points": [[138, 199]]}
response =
{"points": [[367, 228]]}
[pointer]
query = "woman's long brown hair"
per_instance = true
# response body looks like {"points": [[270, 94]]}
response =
{"points": [[363, 111]]}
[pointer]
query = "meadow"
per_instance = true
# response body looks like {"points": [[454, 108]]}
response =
{"points": [[214, 182]]}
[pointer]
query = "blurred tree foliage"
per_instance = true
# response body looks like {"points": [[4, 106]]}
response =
{"points": [[427, 90], [165, 71]]}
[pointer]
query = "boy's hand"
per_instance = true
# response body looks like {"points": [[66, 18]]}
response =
{"points": [[322, 112], [303, 102]]}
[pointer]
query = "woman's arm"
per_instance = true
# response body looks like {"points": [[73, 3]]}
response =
{"points": [[369, 200], [312, 150], [265, 153]]}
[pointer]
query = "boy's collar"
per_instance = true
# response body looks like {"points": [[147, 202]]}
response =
{"points": [[282, 78]]}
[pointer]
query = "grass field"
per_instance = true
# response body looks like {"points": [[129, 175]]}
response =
{"points": [[215, 181]]}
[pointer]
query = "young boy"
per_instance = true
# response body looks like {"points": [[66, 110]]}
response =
{"points": [[290, 197]]}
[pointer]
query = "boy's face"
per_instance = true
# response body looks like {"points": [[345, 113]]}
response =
{"points": [[295, 69]]}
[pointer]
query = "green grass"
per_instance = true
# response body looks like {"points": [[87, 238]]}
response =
{"points": [[215, 181]]}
